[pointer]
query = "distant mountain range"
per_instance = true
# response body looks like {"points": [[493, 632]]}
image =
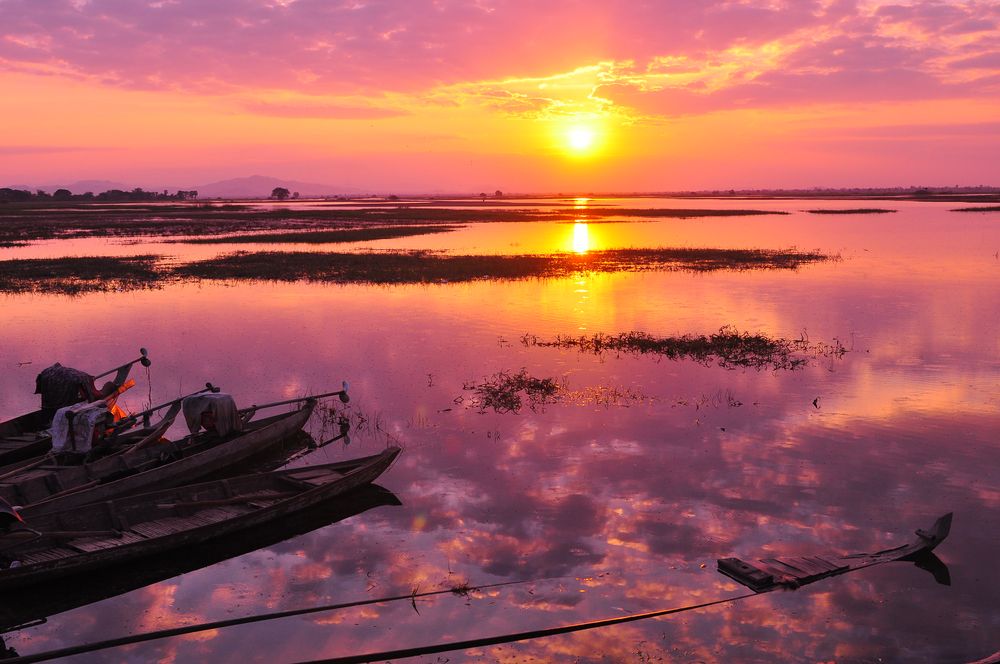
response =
{"points": [[254, 186], [261, 186]]}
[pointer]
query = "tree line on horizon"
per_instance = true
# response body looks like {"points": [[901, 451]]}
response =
{"points": [[8, 195]]}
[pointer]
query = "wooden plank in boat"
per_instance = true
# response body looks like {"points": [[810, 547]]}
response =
{"points": [[97, 543], [160, 527], [45, 555]]}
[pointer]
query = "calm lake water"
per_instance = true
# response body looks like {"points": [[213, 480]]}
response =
{"points": [[619, 498]]}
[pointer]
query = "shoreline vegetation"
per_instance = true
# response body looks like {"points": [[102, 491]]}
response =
{"points": [[74, 275]]}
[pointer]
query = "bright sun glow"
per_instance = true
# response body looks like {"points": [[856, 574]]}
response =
{"points": [[581, 139]]}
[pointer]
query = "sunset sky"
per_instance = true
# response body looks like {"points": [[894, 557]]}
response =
{"points": [[450, 96]]}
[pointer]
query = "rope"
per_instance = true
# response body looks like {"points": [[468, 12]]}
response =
{"points": [[518, 636], [201, 627]]}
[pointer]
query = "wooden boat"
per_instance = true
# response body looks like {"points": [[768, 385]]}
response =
{"points": [[44, 489], [791, 572], [27, 436], [19, 609], [96, 536]]}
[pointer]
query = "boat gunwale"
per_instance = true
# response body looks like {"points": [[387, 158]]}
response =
{"points": [[369, 469]]}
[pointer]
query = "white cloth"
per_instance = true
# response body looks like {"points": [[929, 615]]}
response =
{"points": [[220, 405], [85, 417]]}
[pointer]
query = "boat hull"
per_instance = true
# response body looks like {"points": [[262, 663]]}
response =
{"points": [[137, 538], [186, 469]]}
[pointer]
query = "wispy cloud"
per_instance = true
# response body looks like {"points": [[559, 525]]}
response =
{"points": [[422, 45]]}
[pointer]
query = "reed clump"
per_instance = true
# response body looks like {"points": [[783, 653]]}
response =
{"points": [[504, 392], [728, 348]]}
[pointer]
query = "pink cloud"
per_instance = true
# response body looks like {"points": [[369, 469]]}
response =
{"points": [[320, 110], [342, 48]]}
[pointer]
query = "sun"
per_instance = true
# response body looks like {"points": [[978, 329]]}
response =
{"points": [[581, 139]]}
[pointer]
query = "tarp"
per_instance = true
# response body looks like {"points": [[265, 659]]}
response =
{"points": [[79, 435], [64, 386], [219, 406]]}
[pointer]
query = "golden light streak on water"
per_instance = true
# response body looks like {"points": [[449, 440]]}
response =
{"points": [[581, 237]]}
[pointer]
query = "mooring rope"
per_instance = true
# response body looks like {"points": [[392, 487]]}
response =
{"points": [[202, 627], [517, 636]]}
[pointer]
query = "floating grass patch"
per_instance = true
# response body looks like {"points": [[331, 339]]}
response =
{"points": [[22, 222], [427, 267], [70, 275], [852, 211], [505, 392], [675, 213], [728, 348], [325, 237], [982, 208], [76, 275]]}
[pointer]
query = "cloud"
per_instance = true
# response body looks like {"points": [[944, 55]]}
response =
{"points": [[320, 110], [350, 48]]}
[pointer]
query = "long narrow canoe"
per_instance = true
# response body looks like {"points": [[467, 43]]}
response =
{"points": [[96, 536], [791, 572], [19, 608], [25, 437], [46, 489]]}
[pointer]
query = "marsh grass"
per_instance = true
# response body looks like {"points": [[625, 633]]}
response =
{"points": [[77, 275], [25, 222], [391, 267], [853, 211], [728, 348], [325, 236], [427, 267], [504, 392]]}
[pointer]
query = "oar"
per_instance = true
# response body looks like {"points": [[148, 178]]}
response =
{"points": [[342, 394], [143, 359], [132, 419]]}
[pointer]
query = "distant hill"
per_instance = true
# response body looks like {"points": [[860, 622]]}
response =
{"points": [[260, 186]]}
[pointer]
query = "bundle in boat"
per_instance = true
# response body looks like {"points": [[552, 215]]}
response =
{"points": [[44, 547], [28, 435]]}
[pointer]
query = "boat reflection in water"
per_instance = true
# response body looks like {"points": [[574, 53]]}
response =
{"points": [[20, 610]]}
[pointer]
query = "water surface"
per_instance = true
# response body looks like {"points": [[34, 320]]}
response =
{"points": [[603, 508]]}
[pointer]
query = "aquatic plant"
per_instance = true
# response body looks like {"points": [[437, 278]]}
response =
{"points": [[504, 392], [728, 348]]}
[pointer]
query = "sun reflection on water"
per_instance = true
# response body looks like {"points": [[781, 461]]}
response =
{"points": [[581, 237]]}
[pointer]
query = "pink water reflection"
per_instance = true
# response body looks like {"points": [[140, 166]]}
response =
{"points": [[609, 510]]}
